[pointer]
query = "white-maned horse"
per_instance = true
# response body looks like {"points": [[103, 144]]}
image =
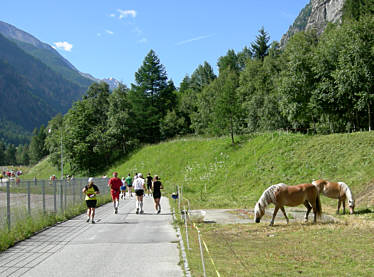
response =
{"points": [[336, 190], [282, 195]]}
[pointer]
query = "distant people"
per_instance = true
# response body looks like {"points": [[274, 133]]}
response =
{"points": [[123, 188], [139, 192], [149, 184], [156, 187], [91, 190], [128, 181], [115, 184]]}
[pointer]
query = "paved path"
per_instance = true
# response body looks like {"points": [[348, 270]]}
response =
{"points": [[123, 244]]}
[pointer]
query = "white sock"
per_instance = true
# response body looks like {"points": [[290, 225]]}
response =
{"points": [[117, 204], [137, 204]]}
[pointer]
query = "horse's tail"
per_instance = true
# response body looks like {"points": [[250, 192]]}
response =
{"points": [[318, 206]]}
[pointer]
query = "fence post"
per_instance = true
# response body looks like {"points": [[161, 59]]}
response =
{"points": [[65, 193], [43, 195], [201, 252], [185, 224], [54, 196], [28, 198], [61, 197], [72, 182], [8, 203], [179, 199]]}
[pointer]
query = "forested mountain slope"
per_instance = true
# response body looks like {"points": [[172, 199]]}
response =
{"points": [[31, 93]]}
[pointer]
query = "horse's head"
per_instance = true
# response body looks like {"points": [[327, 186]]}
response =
{"points": [[259, 212], [351, 205]]}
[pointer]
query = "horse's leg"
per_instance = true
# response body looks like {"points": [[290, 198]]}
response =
{"points": [[284, 213], [308, 207], [337, 212], [274, 215], [343, 201]]}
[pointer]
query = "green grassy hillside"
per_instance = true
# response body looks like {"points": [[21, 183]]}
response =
{"points": [[236, 175], [215, 173]]}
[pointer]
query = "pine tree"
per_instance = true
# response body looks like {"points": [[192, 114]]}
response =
{"points": [[149, 98], [260, 48]]}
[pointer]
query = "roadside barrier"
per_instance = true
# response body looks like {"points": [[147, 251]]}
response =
{"points": [[35, 198]]}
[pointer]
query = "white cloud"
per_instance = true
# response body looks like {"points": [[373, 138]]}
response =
{"points": [[126, 13], [143, 40], [112, 15], [193, 39], [63, 45], [109, 32]]}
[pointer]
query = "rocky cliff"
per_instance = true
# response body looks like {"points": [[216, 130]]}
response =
{"points": [[323, 12], [315, 16]]}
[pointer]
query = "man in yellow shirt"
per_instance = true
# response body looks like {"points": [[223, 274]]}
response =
{"points": [[91, 190]]}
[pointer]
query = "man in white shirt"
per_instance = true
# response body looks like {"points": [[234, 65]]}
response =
{"points": [[139, 192]]}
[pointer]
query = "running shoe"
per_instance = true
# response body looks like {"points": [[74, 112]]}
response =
{"points": [[116, 210], [159, 211], [142, 212], [88, 220], [137, 210], [93, 221]]}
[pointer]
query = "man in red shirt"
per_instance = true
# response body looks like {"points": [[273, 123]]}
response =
{"points": [[115, 184]]}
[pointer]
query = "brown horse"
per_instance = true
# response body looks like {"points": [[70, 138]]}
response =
{"points": [[282, 195], [336, 190]]}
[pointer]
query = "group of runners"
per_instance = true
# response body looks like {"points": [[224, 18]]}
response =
{"points": [[118, 190]]}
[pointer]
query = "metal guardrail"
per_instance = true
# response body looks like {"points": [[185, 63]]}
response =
{"points": [[22, 199]]}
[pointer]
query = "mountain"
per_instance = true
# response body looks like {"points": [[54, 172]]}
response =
{"points": [[315, 16], [112, 82], [36, 83], [45, 53]]}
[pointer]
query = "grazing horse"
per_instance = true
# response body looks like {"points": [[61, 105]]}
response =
{"points": [[336, 190], [282, 195]]}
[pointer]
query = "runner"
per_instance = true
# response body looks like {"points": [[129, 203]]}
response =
{"points": [[129, 184], [115, 183], [139, 191], [91, 190], [123, 188], [157, 186], [149, 184]]}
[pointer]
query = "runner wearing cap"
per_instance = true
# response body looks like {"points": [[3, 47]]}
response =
{"points": [[115, 184], [91, 190], [139, 191]]}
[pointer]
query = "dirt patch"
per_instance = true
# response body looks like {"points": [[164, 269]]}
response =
{"points": [[244, 216]]}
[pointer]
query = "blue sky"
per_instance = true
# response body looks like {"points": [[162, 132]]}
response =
{"points": [[110, 38]]}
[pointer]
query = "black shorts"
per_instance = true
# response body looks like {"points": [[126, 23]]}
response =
{"points": [[157, 195], [130, 186], [139, 192], [91, 203], [149, 186]]}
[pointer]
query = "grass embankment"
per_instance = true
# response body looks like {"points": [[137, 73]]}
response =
{"points": [[42, 170], [234, 176]]}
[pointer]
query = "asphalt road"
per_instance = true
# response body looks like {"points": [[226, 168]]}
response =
{"points": [[123, 244]]}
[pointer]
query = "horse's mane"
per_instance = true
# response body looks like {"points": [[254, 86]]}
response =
{"points": [[268, 196], [347, 191]]}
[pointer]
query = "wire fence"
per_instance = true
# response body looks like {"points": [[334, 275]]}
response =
{"points": [[31, 198]]}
